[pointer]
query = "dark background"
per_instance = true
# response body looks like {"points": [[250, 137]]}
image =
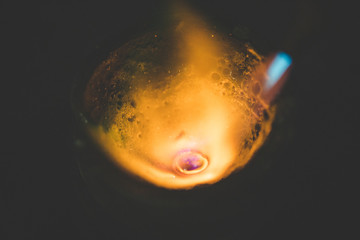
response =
{"points": [[306, 189]]}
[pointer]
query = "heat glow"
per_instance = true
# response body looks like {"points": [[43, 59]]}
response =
{"points": [[180, 107]]}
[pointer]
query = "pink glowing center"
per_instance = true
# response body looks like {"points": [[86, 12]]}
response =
{"points": [[190, 162]]}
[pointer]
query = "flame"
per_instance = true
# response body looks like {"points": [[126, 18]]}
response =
{"points": [[200, 105]]}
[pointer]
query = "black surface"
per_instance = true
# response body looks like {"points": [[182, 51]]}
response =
{"points": [[306, 190]]}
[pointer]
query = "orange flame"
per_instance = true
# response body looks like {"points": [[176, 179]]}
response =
{"points": [[201, 106]]}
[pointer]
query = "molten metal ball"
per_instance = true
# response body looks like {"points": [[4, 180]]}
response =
{"points": [[183, 106]]}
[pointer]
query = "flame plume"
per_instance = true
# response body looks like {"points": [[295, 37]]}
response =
{"points": [[181, 107]]}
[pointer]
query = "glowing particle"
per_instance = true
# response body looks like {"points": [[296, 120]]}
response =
{"points": [[279, 65], [190, 162]]}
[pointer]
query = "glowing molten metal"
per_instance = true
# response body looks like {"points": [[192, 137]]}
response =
{"points": [[185, 106]]}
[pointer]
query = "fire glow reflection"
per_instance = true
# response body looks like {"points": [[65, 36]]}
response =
{"points": [[181, 107]]}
